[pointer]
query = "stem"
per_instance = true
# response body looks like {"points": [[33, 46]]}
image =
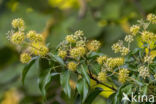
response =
{"points": [[93, 78]]}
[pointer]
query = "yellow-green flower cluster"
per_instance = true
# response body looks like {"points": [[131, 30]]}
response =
{"points": [[34, 37], [114, 62], [25, 57], [102, 76], [123, 75], [32, 42], [134, 29], [71, 38], [148, 36], [143, 72], [119, 47], [152, 18], [17, 38], [72, 66], [77, 52], [124, 51], [129, 38], [148, 59], [62, 53], [93, 45], [38, 49], [18, 23], [101, 59]]}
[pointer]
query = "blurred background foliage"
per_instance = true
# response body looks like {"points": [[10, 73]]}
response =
{"points": [[105, 20]]}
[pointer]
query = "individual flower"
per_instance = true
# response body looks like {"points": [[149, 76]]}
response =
{"points": [[70, 38], [39, 49], [123, 75], [101, 76], [129, 38], [33, 36], [148, 59], [143, 72], [72, 66], [62, 53], [124, 51], [134, 29], [148, 36], [18, 23], [152, 18], [101, 59], [25, 57], [94, 45], [17, 37]]}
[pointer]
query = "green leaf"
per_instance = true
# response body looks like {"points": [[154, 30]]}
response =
{"points": [[43, 81], [64, 80], [84, 73], [57, 59], [93, 95], [26, 69], [82, 88]]}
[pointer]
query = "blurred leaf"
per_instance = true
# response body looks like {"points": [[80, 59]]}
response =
{"points": [[26, 69], [57, 59], [82, 88], [43, 81], [93, 95], [88, 25], [84, 70], [64, 79]]}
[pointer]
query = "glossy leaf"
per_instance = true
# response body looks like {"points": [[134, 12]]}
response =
{"points": [[26, 69], [84, 73], [82, 88], [64, 80], [93, 95], [43, 81]]}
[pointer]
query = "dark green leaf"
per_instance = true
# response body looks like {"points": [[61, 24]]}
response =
{"points": [[26, 69], [93, 95], [43, 81], [64, 79], [57, 59], [84, 73], [82, 88]]}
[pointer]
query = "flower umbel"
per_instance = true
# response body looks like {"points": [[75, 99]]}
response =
{"points": [[123, 75], [72, 66], [25, 58]]}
